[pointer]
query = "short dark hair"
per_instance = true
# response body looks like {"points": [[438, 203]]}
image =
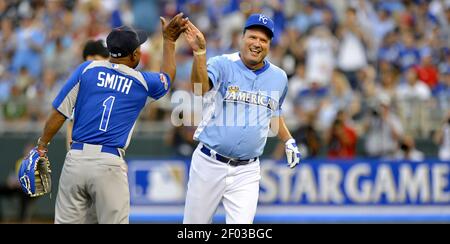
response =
{"points": [[92, 48]]}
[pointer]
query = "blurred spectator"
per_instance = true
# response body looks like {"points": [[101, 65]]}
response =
{"points": [[442, 91], [413, 88], [320, 55], [388, 87], [383, 130], [311, 99], [215, 46], [50, 88], [341, 138], [427, 72], [7, 41], [369, 92], [442, 138], [196, 10], [305, 18], [342, 96], [409, 54], [389, 49], [59, 58], [376, 22], [234, 41], [352, 54], [424, 19], [407, 150], [181, 139], [5, 85], [15, 108], [297, 83], [30, 39], [24, 80], [307, 138], [413, 97]]}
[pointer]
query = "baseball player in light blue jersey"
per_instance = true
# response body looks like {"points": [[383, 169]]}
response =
{"points": [[107, 97], [243, 93]]}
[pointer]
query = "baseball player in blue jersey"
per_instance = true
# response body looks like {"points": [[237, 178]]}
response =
{"points": [[107, 97], [243, 97], [93, 50]]}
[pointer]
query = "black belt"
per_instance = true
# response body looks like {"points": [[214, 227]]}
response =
{"points": [[105, 149], [227, 160]]}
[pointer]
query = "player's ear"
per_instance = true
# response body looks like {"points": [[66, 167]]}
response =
{"points": [[136, 55]]}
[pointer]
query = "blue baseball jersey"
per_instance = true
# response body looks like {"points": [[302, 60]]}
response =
{"points": [[106, 100], [238, 109]]}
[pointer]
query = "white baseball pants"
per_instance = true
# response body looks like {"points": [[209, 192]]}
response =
{"points": [[212, 182]]}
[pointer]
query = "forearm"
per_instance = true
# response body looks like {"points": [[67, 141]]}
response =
{"points": [[199, 75], [283, 131], [69, 134], [168, 62], [52, 126]]}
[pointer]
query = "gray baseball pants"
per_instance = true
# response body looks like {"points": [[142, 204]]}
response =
{"points": [[93, 188]]}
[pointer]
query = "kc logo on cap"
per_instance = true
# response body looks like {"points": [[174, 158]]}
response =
{"points": [[263, 19]]}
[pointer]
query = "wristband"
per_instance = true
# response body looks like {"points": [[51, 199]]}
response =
{"points": [[42, 144], [198, 53]]}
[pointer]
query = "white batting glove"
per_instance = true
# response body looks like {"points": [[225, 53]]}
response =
{"points": [[292, 153]]}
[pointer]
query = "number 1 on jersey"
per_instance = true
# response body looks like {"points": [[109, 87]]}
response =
{"points": [[107, 104]]}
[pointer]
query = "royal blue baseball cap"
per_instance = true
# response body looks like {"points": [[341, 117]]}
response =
{"points": [[122, 41], [260, 20]]}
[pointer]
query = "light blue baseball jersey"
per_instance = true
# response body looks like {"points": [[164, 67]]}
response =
{"points": [[107, 99], [238, 109]]}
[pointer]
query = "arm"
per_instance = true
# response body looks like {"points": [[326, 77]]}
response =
{"points": [[284, 133], [199, 74], [168, 60], [292, 152], [437, 138], [171, 32], [52, 126], [69, 135]]}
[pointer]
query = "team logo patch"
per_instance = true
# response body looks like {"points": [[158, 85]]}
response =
{"points": [[163, 80], [233, 89], [234, 94]]}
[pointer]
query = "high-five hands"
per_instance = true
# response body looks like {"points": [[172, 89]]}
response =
{"points": [[172, 30], [195, 38]]}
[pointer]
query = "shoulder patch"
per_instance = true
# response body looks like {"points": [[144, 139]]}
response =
{"points": [[163, 79]]}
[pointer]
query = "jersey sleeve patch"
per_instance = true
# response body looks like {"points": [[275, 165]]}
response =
{"points": [[164, 81]]}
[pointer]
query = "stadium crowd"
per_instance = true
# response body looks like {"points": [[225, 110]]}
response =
{"points": [[359, 70]]}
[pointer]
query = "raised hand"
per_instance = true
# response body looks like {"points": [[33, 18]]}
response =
{"points": [[195, 38], [172, 30]]}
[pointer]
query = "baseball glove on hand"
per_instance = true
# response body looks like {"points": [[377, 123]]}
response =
{"points": [[34, 173]]}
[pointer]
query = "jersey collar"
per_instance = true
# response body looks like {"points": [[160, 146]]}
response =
{"points": [[254, 72]]}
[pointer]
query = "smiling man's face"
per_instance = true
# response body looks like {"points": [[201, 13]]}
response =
{"points": [[255, 47]]}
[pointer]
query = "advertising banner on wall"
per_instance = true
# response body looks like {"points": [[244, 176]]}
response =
{"points": [[316, 191]]}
